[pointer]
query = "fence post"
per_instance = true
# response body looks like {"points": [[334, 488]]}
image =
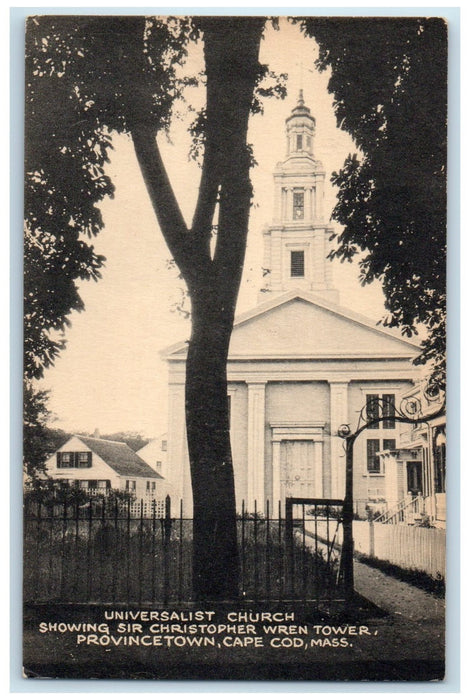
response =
{"points": [[166, 544], [371, 538], [348, 541], [290, 542]]}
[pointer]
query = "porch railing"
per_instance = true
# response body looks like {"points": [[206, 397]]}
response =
{"points": [[408, 511]]}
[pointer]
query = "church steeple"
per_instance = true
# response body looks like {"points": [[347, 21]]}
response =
{"points": [[300, 129], [296, 243]]}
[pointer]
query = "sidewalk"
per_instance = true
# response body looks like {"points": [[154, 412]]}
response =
{"points": [[398, 598], [412, 635]]}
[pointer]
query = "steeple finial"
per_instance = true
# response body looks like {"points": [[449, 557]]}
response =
{"points": [[300, 101]]}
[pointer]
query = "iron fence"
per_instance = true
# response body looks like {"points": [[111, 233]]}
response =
{"points": [[101, 553]]}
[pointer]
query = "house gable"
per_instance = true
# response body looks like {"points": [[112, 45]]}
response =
{"points": [[110, 460]]}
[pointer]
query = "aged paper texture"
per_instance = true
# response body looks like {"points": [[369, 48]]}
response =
{"points": [[234, 397]]}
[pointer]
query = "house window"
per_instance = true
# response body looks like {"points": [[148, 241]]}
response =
{"points": [[64, 460], [130, 485], [298, 201], [74, 460], [153, 486], [389, 411], [104, 484], [299, 142], [381, 406], [389, 444], [373, 460], [297, 263], [372, 409], [159, 464], [147, 488], [164, 445], [83, 459]]}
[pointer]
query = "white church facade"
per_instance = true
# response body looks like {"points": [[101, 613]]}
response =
{"points": [[300, 365]]}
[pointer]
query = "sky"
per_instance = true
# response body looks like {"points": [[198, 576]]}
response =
{"points": [[111, 375]]}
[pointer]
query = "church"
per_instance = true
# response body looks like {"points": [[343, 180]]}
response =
{"points": [[300, 365]]}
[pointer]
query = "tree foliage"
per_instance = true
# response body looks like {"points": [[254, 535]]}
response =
{"points": [[39, 439], [86, 77], [90, 77], [388, 78]]}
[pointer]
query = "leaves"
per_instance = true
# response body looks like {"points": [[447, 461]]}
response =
{"points": [[388, 78], [86, 78]]}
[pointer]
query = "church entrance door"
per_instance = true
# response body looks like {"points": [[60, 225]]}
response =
{"points": [[297, 469]]}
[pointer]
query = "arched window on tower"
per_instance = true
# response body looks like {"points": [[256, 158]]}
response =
{"points": [[298, 201]]}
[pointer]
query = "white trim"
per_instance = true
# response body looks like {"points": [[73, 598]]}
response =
{"points": [[240, 374], [303, 295], [290, 431], [255, 446]]}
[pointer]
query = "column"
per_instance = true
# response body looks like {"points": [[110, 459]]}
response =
{"points": [[283, 204], [338, 416], [255, 461], [318, 466], [278, 192], [308, 204], [276, 448], [319, 196], [290, 204]]}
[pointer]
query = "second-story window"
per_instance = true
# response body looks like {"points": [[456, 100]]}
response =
{"points": [[298, 212], [381, 406]]}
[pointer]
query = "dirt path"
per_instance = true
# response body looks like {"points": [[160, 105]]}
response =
{"points": [[396, 597]]}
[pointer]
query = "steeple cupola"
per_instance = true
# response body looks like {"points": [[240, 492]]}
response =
{"points": [[300, 129], [296, 244]]}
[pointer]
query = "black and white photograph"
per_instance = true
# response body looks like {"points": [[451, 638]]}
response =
{"points": [[234, 395]]}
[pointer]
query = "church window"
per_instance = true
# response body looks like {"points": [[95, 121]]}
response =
{"points": [[297, 263], [309, 142], [299, 204], [299, 142]]}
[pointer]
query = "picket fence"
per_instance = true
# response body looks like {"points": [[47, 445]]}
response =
{"points": [[416, 548]]}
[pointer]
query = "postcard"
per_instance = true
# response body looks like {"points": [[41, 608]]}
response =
{"points": [[234, 355]]}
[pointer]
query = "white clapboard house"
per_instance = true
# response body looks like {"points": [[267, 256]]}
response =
{"points": [[98, 465]]}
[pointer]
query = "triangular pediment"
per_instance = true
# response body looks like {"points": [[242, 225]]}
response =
{"points": [[299, 325]]}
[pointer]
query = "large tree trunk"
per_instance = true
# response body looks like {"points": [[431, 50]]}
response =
{"points": [[231, 48], [215, 556]]}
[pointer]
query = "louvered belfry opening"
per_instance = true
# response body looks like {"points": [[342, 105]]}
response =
{"points": [[297, 263]]}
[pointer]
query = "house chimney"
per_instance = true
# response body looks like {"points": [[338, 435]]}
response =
{"points": [[96, 434]]}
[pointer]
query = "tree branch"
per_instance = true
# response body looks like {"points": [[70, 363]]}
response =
{"points": [[207, 198], [161, 194]]}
